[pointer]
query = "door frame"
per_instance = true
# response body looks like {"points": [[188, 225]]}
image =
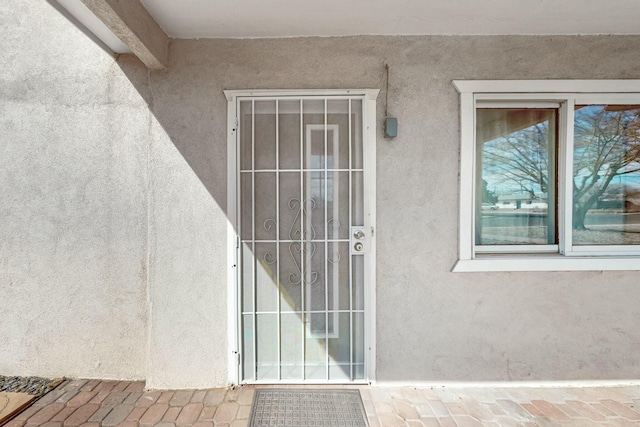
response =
{"points": [[369, 166]]}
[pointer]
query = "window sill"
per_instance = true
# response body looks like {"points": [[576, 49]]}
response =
{"points": [[545, 263]]}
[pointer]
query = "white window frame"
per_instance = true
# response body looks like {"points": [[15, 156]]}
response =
{"points": [[567, 257], [335, 129]]}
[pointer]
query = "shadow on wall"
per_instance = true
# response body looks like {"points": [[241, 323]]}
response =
{"points": [[187, 226], [188, 102], [189, 113], [190, 116]]}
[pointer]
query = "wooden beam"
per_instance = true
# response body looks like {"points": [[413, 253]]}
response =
{"points": [[135, 27]]}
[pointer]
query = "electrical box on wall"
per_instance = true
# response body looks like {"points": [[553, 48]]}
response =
{"points": [[390, 127]]}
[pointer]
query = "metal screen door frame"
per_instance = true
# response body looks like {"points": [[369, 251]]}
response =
{"points": [[234, 97]]}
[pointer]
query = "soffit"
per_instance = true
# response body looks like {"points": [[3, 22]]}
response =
{"points": [[292, 18]]}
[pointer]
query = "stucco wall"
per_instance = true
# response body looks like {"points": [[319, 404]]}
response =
{"points": [[187, 240], [451, 327], [73, 177], [187, 343], [113, 182], [110, 244]]}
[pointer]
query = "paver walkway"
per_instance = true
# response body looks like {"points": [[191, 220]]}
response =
{"points": [[123, 403]]}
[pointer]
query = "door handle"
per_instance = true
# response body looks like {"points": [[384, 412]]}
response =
{"points": [[358, 240]]}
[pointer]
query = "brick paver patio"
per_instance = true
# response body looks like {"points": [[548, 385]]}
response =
{"points": [[122, 403]]}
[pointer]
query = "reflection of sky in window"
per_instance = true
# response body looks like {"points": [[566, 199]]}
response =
{"points": [[627, 176], [501, 178]]}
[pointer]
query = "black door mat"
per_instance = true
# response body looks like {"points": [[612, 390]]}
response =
{"points": [[307, 408]]}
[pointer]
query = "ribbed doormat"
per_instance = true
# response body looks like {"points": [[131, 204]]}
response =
{"points": [[307, 408]]}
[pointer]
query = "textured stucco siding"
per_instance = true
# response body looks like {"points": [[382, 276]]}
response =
{"points": [[113, 179], [73, 149], [433, 325]]}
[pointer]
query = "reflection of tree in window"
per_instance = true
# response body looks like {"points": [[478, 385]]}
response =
{"points": [[517, 159], [516, 156], [606, 146]]}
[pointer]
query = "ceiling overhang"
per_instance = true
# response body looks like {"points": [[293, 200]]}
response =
{"points": [[124, 27], [187, 19], [144, 27]]}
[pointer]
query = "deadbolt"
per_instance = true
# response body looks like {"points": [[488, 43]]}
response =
{"points": [[358, 239]]}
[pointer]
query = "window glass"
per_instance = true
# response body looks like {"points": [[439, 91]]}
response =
{"points": [[549, 175], [515, 188], [606, 175]]}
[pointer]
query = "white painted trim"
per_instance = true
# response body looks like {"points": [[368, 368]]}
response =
{"points": [[371, 94], [488, 249], [565, 176], [369, 175], [543, 97], [515, 103], [607, 98], [283, 383], [508, 384], [232, 252], [527, 262], [546, 86], [467, 175], [604, 250]]}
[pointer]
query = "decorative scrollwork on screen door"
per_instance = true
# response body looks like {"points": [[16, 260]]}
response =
{"points": [[305, 245]]}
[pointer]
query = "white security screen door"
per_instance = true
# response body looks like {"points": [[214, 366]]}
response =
{"points": [[305, 238]]}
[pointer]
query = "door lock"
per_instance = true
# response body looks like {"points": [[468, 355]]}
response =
{"points": [[358, 240]]}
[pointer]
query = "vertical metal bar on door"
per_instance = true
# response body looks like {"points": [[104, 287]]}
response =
{"points": [[350, 257], [363, 208], [326, 244], [303, 273], [277, 257], [253, 238], [239, 288]]}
